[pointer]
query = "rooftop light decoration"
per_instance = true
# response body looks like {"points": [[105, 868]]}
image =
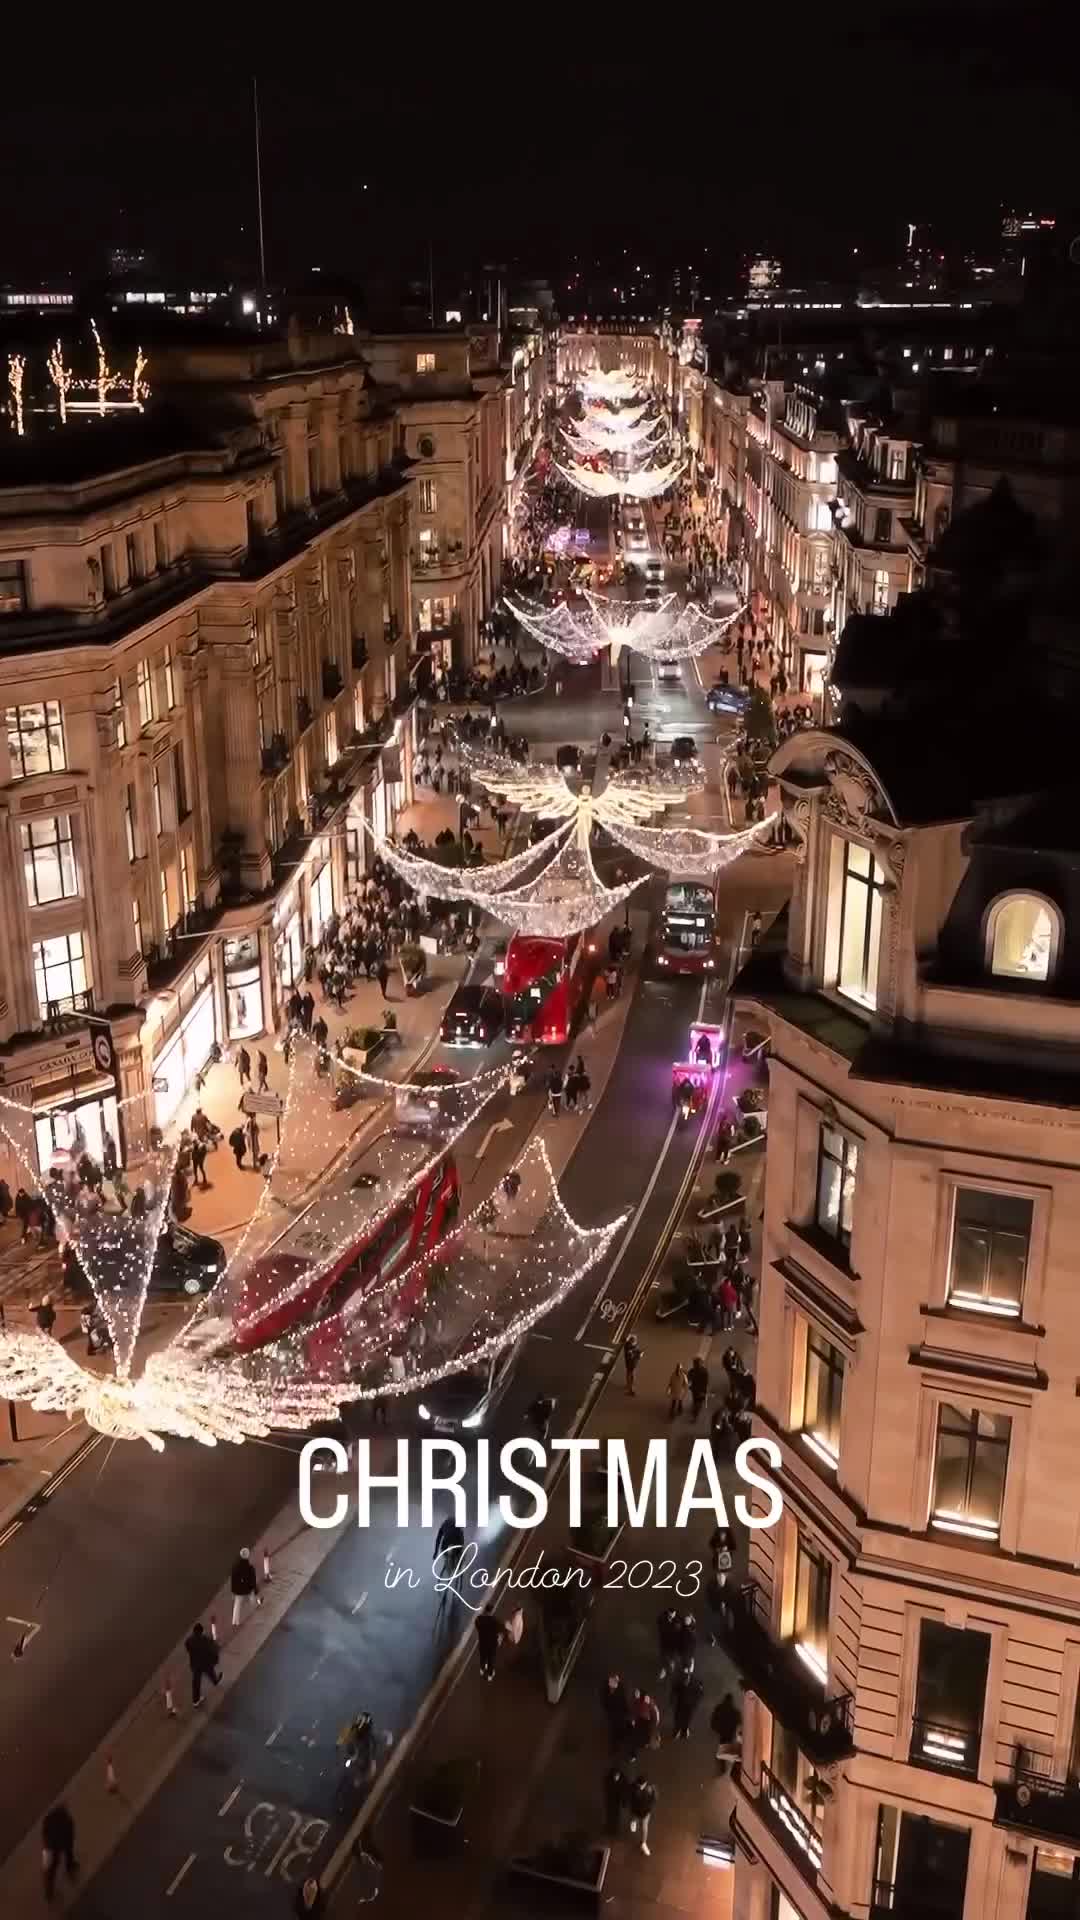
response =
{"points": [[645, 484], [628, 798]]}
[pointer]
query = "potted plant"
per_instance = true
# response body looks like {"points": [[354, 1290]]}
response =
{"points": [[437, 1808], [673, 1298], [360, 1046], [413, 963], [593, 1542], [573, 1866], [564, 1616], [727, 1190]]}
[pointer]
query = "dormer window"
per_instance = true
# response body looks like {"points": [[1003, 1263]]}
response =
{"points": [[1023, 935], [855, 916]]}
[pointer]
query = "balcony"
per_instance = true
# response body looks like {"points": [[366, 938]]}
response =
{"points": [[1037, 1803], [908, 1902], [332, 682], [774, 1670], [275, 755], [796, 1834], [948, 1749]]}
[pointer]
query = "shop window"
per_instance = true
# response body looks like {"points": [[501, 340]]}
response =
{"points": [[49, 863], [990, 1240], [838, 1165], [970, 1463], [425, 363], [860, 903], [819, 1396], [144, 681], [950, 1693], [1054, 1892], [810, 1626], [36, 739], [1022, 937], [920, 1867], [61, 975]]}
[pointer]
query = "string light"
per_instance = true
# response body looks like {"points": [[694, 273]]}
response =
{"points": [[663, 631], [590, 437], [16, 370], [60, 376], [104, 377], [140, 389], [601, 415], [429, 877], [646, 484], [687, 852], [612, 383]]}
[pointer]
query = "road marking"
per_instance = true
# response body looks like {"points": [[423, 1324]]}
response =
{"points": [[233, 1795], [500, 1126], [30, 1631], [588, 1345], [360, 1603], [175, 1882], [275, 1733]]}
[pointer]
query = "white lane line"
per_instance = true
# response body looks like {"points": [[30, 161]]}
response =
{"points": [[360, 1602], [275, 1733], [175, 1881], [641, 1206], [228, 1803], [594, 1349]]}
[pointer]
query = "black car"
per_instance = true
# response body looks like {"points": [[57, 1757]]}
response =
{"points": [[186, 1262], [474, 1016]]}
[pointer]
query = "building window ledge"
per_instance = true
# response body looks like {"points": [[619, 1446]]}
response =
{"points": [[1001, 1322]]}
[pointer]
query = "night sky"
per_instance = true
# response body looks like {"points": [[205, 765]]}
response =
{"points": [[801, 132]]}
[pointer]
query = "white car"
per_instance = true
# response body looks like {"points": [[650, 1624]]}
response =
{"points": [[638, 540]]}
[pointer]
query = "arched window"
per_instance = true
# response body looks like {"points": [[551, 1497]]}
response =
{"points": [[1023, 934]]}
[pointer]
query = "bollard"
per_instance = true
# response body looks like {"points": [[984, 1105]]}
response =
{"points": [[111, 1782], [267, 1575], [170, 1704]]}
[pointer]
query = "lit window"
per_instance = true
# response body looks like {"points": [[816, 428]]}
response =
{"points": [[429, 550], [159, 810], [36, 739], [425, 363], [61, 975], [861, 896], [897, 463], [813, 1581], [121, 717], [145, 683], [429, 496], [185, 880], [170, 683], [161, 545], [12, 586], [331, 738], [822, 1393], [838, 1164], [950, 1696], [136, 921], [969, 1471], [49, 860], [1022, 937], [163, 886], [131, 824], [990, 1239], [879, 602]]}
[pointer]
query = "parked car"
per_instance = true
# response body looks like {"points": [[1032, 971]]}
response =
{"points": [[186, 1262], [473, 1018], [722, 699]]}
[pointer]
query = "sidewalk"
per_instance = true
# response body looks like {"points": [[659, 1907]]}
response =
{"points": [[534, 1772]]}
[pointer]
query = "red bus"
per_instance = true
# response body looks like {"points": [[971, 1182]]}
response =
{"points": [[686, 936], [350, 1241], [544, 982]]}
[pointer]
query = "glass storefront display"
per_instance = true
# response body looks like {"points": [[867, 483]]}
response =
{"points": [[289, 952], [243, 987], [176, 1066], [76, 1130], [322, 900]]}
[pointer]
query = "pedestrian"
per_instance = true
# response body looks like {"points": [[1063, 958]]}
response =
{"points": [[755, 927], [309, 1902], [198, 1163], [687, 1694], [253, 1140], [698, 1382], [238, 1143], [539, 1416], [45, 1314], [320, 1031], [570, 1090], [489, 1635], [307, 1010], [678, 1387], [203, 1656], [554, 1091], [668, 1632], [584, 1084], [642, 1802], [109, 1156], [720, 1549], [57, 1846], [243, 1065], [631, 1354], [616, 1786], [243, 1585], [685, 1638], [382, 975], [725, 1722], [263, 1066], [616, 1708]]}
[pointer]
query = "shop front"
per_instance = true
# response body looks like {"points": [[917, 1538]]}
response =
{"points": [[243, 987], [185, 1051], [288, 945], [320, 890], [74, 1127]]}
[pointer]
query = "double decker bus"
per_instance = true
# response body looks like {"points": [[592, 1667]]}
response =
{"points": [[686, 934], [348, 1240], [544, 982]]}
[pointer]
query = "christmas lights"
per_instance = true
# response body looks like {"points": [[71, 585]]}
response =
{"points": [[663, 631], [568, 898], [429, 877], [589, 437], [646, 484], [601, 415], [687, 852], [104, 377], [613, 383], [60, 376], [16, 371], [140, 387]]}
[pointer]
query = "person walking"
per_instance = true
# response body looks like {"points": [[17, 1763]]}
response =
{"points": [[382, 975], [698, 1382], [263, 1066], [57, 1846], [489, 1636], [253, 1140], [198, 1163], [243, 1066], [554, 1091], [616, 1708], [238, 1143], [570, 1090], [307, 1010], [616, 1787], [726, 1721], [631, 1354], [45, 1314], [584, 1084], [678, 1387], [642, 1800], [685, 1638], [243, 1585], [720, 1550], [686, 1697], [203, 1656], [668, 1632]]}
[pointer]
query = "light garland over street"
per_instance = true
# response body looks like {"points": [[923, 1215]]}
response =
{"points": [[664, 631]]}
